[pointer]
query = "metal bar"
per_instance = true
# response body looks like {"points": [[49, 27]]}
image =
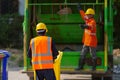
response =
{"points": [[111, 25], [111, 10], [37, 4], [105, 34], [65, 1], [25, 30], [96, 1], [105, 13]]}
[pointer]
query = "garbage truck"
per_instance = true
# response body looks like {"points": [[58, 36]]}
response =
{"points": [[62, 19]]}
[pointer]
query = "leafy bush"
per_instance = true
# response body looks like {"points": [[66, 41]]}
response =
{"points": [[11, 30]]}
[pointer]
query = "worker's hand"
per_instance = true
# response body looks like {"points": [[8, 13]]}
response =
{"points": [[79, 6], [83, 26]]}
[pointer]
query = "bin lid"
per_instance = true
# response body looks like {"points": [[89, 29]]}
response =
{"points": [[6, 53], [1, 55]]}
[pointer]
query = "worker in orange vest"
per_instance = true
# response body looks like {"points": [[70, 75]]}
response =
{"points": [[89, 37], [42, 52]]}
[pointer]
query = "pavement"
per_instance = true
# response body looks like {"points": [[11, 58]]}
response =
{"points": [[16, 74]]}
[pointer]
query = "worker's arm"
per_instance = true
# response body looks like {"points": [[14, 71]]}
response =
{"points": [[82, 13], [54, 50], [29, 53]]}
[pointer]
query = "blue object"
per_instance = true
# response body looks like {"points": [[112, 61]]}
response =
{"points": [[4, 64]]}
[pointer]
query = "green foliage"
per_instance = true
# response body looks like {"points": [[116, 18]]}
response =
{"points": [[11, 30]]}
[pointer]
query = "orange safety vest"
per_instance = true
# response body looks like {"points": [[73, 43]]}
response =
{"points": [[89, 37], [41, 53]]}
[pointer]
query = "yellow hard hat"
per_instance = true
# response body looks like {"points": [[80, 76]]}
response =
{"points": [[90, 11], [41, 26]]}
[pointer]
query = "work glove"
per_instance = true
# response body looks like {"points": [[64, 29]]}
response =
{"points": [[83, 26], [79, 6]]}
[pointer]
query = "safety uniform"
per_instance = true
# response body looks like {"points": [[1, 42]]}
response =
{"points": [[41, 53], [42, 57], [89, 38]]}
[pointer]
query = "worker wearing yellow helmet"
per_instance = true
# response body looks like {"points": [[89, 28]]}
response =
{"points": [[41, 27], [90, 11], [89, 37], [42, 52]]}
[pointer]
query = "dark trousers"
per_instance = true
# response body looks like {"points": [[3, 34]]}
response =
{"points": [[92, 51], [87, 49], [46, 74]]}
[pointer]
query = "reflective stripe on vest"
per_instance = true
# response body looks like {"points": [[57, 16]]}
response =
{"points": [[42, 62], [93, 34]]}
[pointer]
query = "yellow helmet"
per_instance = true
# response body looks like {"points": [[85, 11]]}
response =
{"points": [[90, 11], [41, 26]]}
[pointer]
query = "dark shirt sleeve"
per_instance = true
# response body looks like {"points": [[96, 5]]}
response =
{"points": [[29, 53], [54, 50]]}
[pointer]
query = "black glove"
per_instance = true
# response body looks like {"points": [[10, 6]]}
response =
{"points": [[83, 26], [79, 6]]}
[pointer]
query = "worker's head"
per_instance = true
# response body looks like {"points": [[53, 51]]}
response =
{"points": [[90, 12], [41, 29]]}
